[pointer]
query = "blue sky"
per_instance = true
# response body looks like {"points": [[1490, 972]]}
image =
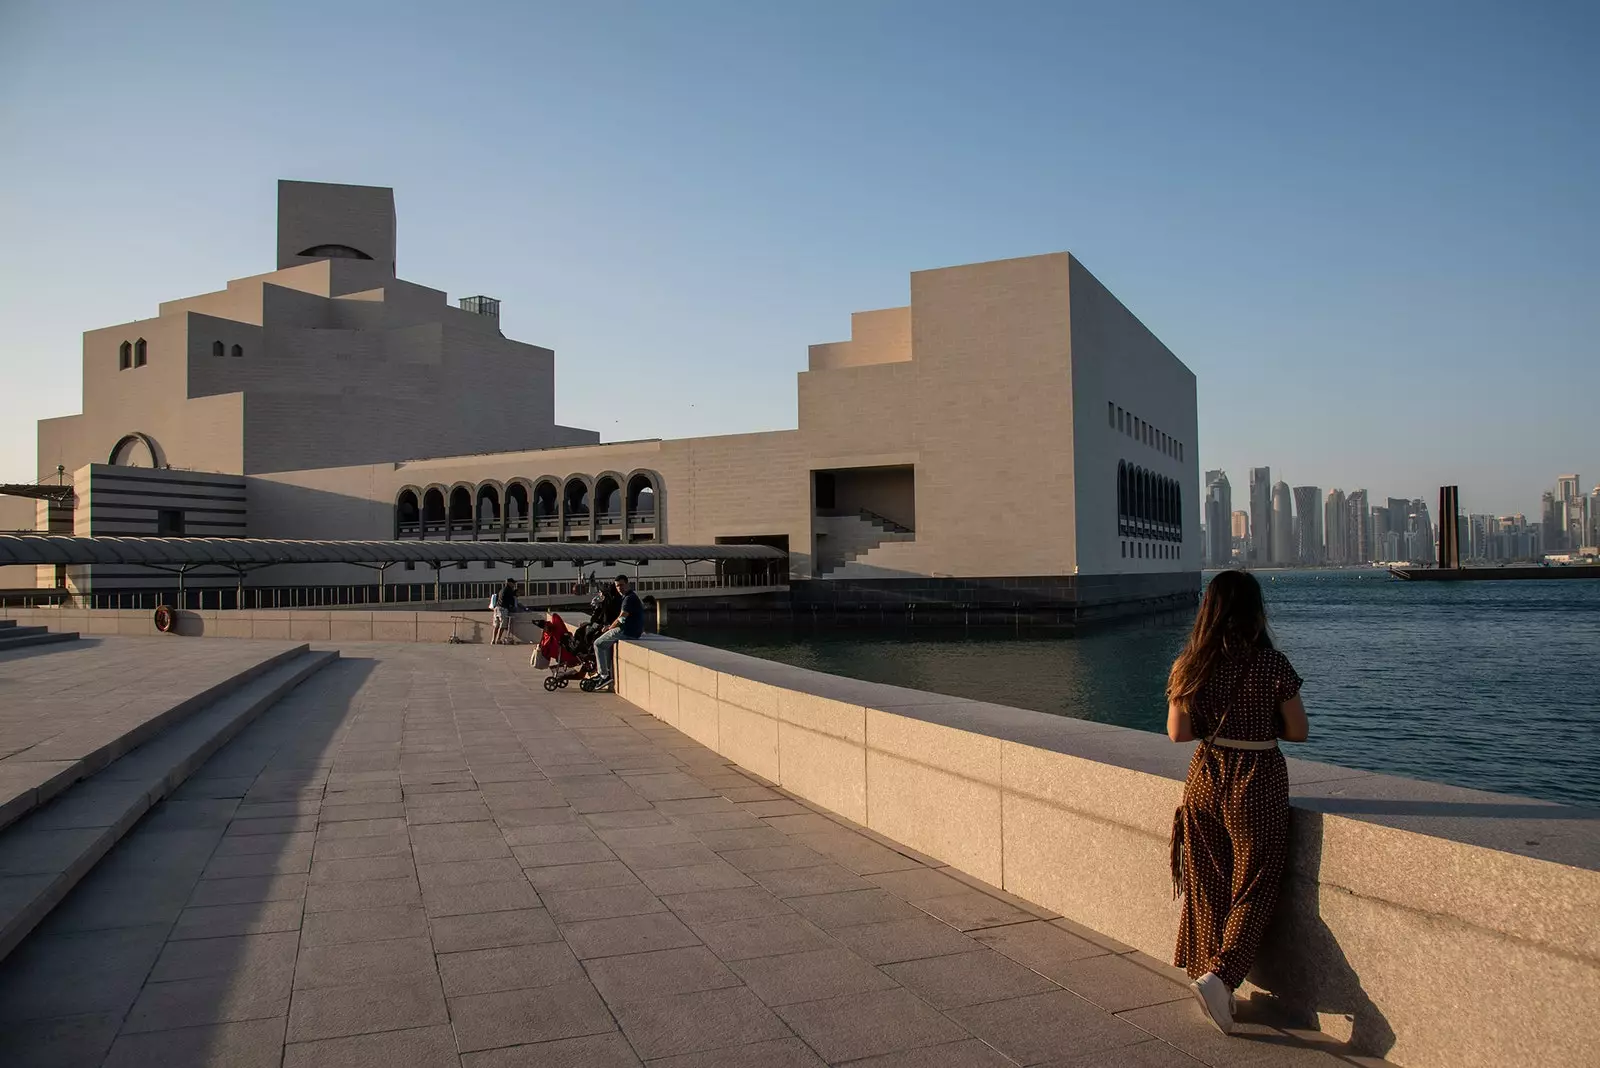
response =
{"points": [[1369, 228]]}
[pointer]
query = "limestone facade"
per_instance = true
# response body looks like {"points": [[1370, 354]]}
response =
{"points": [[1013, 420]]}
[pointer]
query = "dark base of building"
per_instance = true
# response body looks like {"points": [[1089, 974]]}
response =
{"points": [[1050, 602]]}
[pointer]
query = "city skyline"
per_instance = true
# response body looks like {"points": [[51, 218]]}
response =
{"points": [[701, 188]]}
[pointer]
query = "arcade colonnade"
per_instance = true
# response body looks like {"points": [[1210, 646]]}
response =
{"points": [[608, 507]]}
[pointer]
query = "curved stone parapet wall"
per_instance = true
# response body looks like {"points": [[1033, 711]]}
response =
{"points": [[1435, 926]]}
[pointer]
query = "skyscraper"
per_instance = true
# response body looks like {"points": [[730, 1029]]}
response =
{"points": [[1241, 534], [1260, 516], [1308, 509], [1336, 527], [1282, 524], [1219, 519], [1358, 538], [1419, 535], [1566, 487], [1551, 527]]}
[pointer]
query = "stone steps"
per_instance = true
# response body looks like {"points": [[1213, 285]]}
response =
{"points": [[15, 637], [29, 780], [45, 852]]}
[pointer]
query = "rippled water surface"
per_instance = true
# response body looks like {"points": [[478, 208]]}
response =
{"points": [[1494, 685]]}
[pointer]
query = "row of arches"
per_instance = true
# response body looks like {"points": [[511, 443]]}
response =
{"points": [[132, 354], [1149, 505], [219, 349], [605, 507]]}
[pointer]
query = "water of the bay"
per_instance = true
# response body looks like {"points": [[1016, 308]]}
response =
{"points": [[1493, 685]]}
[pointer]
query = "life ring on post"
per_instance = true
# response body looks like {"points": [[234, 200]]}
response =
{"points": [[164, 619]]}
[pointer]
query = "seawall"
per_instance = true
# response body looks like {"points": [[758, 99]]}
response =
{"points": [[1435, 926]]}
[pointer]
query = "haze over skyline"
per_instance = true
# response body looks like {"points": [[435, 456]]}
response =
{"points": [[1368, 230]]}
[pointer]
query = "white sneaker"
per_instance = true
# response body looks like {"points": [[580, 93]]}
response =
{"points": [[1216, 1000]]}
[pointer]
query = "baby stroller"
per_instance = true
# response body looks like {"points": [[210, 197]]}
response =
{"points": [[558, 652]]}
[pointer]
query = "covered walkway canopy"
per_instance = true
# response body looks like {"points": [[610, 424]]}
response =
{"points": [[242, 554]]}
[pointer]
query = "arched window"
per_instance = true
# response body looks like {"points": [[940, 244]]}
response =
{"points": [[135, 450], [460, 511], [335, 252], [140, 352], [1122, 498], [488, 508], [517, 506], [576, 498], [546, 500], [608, 499], [125, 356], [238, 350], [216, 348], [644, 507], [407, 515], [433, 514]]}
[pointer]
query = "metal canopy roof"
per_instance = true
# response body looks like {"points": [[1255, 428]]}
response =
{"points": [[242, 553]]}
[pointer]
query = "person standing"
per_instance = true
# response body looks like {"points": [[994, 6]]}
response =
{"points": [[1236, 693], [504, 603], [628, 624]]}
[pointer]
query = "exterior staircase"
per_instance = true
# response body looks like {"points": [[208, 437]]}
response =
{"points": [[15, 637], [848, 538]]}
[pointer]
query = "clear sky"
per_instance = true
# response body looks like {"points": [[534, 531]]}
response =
{"points": [[1370, 228]]}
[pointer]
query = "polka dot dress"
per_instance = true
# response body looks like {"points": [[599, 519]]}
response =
{"points": [[1236, 818]]}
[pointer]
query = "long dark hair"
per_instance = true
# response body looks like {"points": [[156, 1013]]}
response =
{"points": [[1232, 622]]}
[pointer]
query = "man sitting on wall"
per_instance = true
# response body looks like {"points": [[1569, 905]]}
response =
{"points": [[628, 624]]}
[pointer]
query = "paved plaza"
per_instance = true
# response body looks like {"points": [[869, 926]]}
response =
{"points": [[419, 857]]}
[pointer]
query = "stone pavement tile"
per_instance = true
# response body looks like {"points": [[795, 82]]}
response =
{"points": [[246, 845], [484, 971], [371, 794], [754, 837], [465, 872], [917, 884], [1044, 947], [391, 960], [900, 940], [777, 1053], [220, 921], [258, 864], [827, 878], [439, 833], [636, 976], [736, 903], [853, 907], [675, 809], [548, 854], [1152, 1053], [1045, 1027], [367, 894], [627, 934], [611, 801], [377, 845], [502, 895], [865, 1024], [416, 1047], [968, 978], [1089, 934], [362, 1008], [668, 786], [450, 810], [175, 814], [687, 1023], [258, 992], [488, 930], [1181, 1025], [135, 905], [970, 910], [803, 823], [856, 852], [967, 1053], [591, 1051], [809, 976], [200, 958], [1115, 983], [247, 1044], [581, 876], [333, 814], [600, 902], [60, 1041], [715, 875], [650, 835], [363, 925], [361, 869], [276, 810], [333, 831], [672, 855], [544, 833], [726, 818], [601, 821], [748, 792], [539, 1014], [537, 817], [464, 849], [762, 936], [306, 821], [773, 858], [782, 807]]}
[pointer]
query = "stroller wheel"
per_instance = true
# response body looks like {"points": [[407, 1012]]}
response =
{"points": [[586, 685], [552, 683], [562, 683]]}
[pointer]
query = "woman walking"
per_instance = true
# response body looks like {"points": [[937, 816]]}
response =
{"points": [[1236, 693]]}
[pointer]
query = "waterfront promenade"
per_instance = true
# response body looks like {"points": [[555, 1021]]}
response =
{"points": [[420, 857]]}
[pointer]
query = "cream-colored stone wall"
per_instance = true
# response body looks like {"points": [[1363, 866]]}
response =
{"points": [[1406, 904], [882, 336]]}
